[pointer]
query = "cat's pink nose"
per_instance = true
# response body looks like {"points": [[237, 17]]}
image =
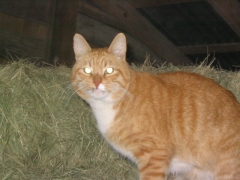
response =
{"points": [[97, 83], [97, 80]]}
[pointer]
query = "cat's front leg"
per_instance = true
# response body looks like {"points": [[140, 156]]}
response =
{"points": [[153, 166]]}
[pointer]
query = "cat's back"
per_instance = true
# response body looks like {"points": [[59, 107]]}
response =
{"points": [[183, 85], [187, 79], [180, 95], [196, 84]]}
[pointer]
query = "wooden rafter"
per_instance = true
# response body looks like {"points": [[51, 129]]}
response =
{"points": [[131, 21], [95, 13], [210, 48], [149, 3], [230, 12]]}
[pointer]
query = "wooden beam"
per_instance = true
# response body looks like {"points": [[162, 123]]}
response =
{"points": [[64, 28], [230, 12], [134, 23], [210, 48], [149, 3]]}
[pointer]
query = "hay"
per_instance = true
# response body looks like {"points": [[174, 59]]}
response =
{"points": [[48, 132]]}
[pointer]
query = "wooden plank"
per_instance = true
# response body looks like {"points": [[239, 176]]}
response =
{"points": [[21, 46], [63, 31], [22, 38], [138, 26], [210, 48], [23, 27], [33, 10], [149, 3], [230, 12], [28, 25]]}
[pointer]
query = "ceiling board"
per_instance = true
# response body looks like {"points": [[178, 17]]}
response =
{"points": [[193, 23], [138, 26], [192, 27]]}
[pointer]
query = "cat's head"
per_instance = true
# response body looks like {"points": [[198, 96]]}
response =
{"points": [[100, 73]]}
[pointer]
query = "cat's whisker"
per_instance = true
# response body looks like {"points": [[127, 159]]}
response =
{"points": [[70, 97], [116, 87], [70, 88], [80, 87]]}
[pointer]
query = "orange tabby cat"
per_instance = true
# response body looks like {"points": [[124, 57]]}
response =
{"points": [[175, 123]]}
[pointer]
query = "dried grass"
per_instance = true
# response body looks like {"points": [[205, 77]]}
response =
{"points": [[48, 132]]}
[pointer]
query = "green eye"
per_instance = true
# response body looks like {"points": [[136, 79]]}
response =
{"points": [[87, 70], [109, 71]]}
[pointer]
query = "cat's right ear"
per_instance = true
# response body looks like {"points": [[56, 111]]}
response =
{"points": [[118, 46], [80, 46]]}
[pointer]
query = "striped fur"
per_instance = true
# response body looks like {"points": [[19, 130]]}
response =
{"points": [[178, 125]]}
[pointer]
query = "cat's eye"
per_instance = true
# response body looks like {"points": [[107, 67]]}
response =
{"points": [[109, 71], [87, 70]]}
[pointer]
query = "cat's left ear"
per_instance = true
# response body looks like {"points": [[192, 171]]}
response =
{"points": [[118, 46]]}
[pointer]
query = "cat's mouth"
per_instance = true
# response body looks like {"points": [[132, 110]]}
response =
{"points": [[95, 90], [99, 89], [97, 93]]}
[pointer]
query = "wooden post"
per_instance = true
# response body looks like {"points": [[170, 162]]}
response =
{"points": [[64, 28]]}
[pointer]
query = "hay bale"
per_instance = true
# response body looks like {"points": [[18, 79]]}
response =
{"points": [[48, 132]]}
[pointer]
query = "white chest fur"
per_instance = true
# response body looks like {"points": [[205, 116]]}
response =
{"points": [[104, 114]]}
